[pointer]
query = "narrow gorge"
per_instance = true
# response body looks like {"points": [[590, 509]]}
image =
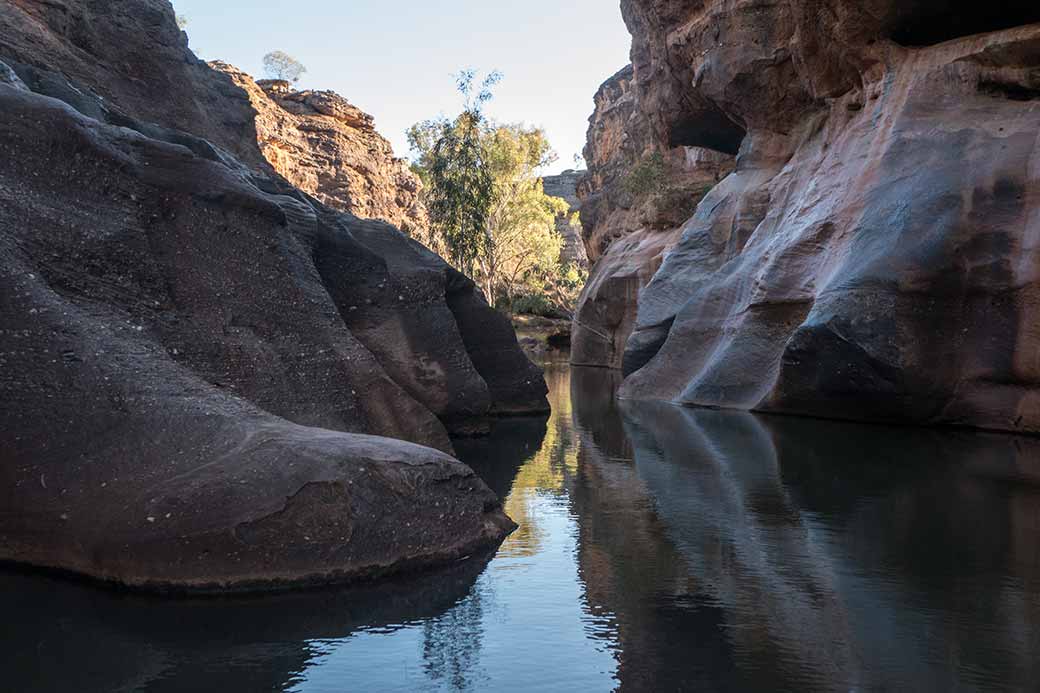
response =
{"points": [[747, 398]]}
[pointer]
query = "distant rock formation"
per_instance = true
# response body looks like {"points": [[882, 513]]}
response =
{"points": [[329, 148], [626, 232], [874, 255], [203, 368], [565, 187]]}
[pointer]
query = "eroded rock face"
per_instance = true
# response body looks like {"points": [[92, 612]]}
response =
{"points": [[565, 186], [329, 148], [627, 229], [874, 255], [196, 358]]}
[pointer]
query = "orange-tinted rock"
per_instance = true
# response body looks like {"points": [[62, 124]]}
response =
{"points": [[329, 148], [874, 255]]}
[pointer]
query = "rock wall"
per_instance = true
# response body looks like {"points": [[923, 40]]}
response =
{"points": [[329, 148], [874, 255], [628, 229], [195, 356], [565, 186]]}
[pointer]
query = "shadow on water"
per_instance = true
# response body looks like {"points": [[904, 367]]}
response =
{"points": [[65, 636], [659, 549]]}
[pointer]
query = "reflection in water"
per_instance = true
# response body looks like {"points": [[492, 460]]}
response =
{"points": [[847, 557], [660, 549], [63, 636]]}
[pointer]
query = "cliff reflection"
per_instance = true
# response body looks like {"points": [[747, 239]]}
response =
{"points": [[664, 639], [660, 549], [813, 555], [546, 469]]}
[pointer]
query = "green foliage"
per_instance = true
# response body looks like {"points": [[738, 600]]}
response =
{"points": [[461, 191], [489, 212], [667, 198], [647, 176], [281, 65], [459, 185], [554, 294], [182, 22], [534, 303]]}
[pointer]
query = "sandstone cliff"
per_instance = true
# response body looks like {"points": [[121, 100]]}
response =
{"points": [[329, 148], [195, 356], [637, 193], [565, 187], [874, 254]]}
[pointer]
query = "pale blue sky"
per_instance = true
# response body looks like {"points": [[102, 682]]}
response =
{"points": [[395, 59]]}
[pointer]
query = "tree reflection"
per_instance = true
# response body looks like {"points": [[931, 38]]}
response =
{"points": [[452, 644]]}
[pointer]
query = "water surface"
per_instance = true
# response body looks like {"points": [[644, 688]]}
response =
{"points": [[660, 549]]}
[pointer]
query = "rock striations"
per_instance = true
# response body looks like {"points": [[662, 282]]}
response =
{"points": [[875, 253], [196, 357]]}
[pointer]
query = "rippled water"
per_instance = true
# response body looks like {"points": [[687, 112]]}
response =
{"points": [[660, 549]]}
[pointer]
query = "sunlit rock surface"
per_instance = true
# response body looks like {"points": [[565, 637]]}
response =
{"points": [[565, 186], [874, 255], [195, 356], [329, 148]]}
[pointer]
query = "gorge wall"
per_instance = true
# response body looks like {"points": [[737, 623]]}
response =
{"points": [[329, 149], [635, 197], [208, 376], [565, 186], [874, 254]]}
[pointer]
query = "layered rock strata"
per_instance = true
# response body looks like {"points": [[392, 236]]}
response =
{"points": [[565, 187], [202, 368], [329, 148], [874, 254]]}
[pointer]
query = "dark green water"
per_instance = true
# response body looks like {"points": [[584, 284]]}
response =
{"points": [[660, 549]]}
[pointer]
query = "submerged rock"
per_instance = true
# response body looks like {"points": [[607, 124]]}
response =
{"points": [[196, 357], [873, 255]]}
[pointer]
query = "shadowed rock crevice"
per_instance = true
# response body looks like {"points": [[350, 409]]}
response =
{"points": [[928, 22], [708, 129]]}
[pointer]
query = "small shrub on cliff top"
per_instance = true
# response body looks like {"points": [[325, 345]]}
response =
{"points": [[281, 65]]}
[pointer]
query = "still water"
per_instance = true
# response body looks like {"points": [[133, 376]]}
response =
{"points": [[660, 549]]}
